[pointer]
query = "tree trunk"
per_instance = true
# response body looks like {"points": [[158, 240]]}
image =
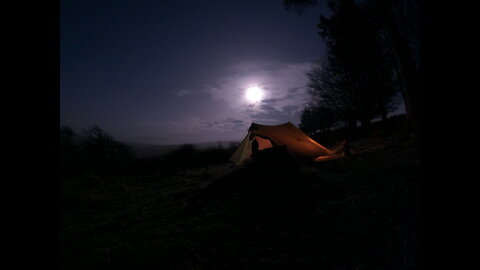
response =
{"points": [[407, 69]]}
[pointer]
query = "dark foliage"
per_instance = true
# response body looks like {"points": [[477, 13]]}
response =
{"points": [[186, 157], [332, 137], [317, 119], [298, 5], [374, 52], [355, 82], [96, 151]]}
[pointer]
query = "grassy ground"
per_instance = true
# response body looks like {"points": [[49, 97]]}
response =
{"points": [[359, 212]]}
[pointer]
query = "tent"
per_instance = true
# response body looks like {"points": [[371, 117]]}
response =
{"points": [[297, 143]]}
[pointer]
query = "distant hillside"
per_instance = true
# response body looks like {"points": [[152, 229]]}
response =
{"points": [[152, 150]]}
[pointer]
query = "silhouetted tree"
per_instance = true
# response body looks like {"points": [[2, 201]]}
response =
{"points": [[102, 150], [355, 52], [298, 5], [395, 24], [67, 143], [334, 97], [317, 119], [400, 22], [353, 82], [69, 152]]}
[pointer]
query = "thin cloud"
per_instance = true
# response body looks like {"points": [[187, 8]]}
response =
{"points": [[285, 86], [182, 93]]}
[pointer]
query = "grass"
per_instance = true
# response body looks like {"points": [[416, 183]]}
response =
{"points": [[359, 212]]}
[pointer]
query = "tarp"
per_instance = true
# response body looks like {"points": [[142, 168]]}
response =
{"points": [[298, 143]]}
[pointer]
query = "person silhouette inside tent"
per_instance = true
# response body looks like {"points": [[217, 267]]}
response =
{"points": [[254, 146]]}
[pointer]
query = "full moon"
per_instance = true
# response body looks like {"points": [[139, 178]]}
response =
{"points": [[254, 94]]}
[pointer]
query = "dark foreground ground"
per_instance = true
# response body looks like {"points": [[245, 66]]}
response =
{"points": [[359, 212]]}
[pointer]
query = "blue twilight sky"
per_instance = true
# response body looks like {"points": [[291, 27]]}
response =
{"points": [[169, 72]]}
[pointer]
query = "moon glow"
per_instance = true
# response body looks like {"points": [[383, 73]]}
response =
{"points": [[254, 94]]}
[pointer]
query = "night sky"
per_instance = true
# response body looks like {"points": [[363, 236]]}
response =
{"points": [[172, 72]]}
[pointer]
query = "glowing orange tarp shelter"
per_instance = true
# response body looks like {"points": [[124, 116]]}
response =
{"points": [[298, 144]]}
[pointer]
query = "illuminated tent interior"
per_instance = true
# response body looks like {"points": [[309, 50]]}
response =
{"points": [[298, 144]]}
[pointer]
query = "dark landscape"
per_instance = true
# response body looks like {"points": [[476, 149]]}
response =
{"points": [[273, 134], [356, 212]]}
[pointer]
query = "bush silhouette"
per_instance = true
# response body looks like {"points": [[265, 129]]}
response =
{"points": [[184, 158], [95, 151], [69, 152]]}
